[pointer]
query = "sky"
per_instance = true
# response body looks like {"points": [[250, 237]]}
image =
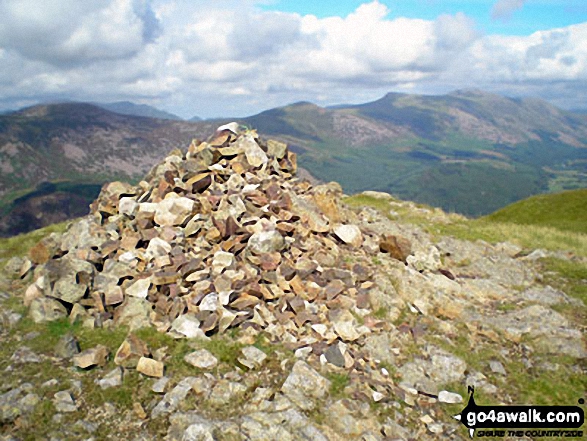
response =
{"points": [[213, 58]]}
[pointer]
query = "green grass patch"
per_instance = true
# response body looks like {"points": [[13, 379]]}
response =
{"points": [[361, 200], [224, 349], [568, 276], [565, 211], [21, 244], [529, 237], [545, 387], [338, 383]]}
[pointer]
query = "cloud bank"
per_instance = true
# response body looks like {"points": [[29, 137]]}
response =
{"points": [[232, 58]]}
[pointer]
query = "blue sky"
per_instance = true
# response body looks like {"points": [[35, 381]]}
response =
{"points": [[239, 57], [531, 17]]}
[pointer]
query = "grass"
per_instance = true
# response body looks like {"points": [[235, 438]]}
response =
{"points": [[566, 211], [338, 383], [570, 277], [21, 244], [529, 237]]}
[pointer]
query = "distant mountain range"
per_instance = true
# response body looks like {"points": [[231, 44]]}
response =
{"points": [[468, 151], [128, 108]]}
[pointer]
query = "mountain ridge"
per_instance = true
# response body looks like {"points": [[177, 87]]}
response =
{"points": [[470, 152]]}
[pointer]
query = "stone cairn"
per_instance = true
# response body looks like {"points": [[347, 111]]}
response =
{"points": [[222, 236]]}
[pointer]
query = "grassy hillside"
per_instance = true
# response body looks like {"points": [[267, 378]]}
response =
{"points": [[564, 211]]}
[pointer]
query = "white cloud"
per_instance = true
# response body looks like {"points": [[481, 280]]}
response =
{"points": [[72, 32], [504, 9], [228, 57]]}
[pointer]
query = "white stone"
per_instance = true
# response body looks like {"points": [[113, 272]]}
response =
{"points": [[188, 326], [449, 397], [222, 260], [254, 154], [253, 357], [173, 211], [209, 303], [378, 396], [64, 402], [127, 206], [202, 359], [127, 257], [231, 127], [160, 385], [139, 289], [349, 234], [303, 352], [146, 210], [157, 247]]}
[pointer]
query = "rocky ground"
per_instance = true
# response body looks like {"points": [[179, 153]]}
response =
{"points": [[222, 298]]}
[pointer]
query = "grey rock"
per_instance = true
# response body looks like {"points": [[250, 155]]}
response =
{"points": [[180, 422], [25, 355], [134, 313], [449, 397], [13, 265], [188, 326], [334, 355], [111, 379], [202, 359], [497, 367], [252, 357], [201, 431], [547, 295], [74, 277], [394, 431], [378, 346], [266, 242], [67, 346], [226, 391], [64, 402], [425, 260], [304, 384], [440, 368], [173, 398], [346, 423], [46, 310], [160, 385], [17, 402]]}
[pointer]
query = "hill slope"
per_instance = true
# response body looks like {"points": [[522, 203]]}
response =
{"points": [[564, 211], [128, 108], [469, 151], [74, 144], [83, 143]]}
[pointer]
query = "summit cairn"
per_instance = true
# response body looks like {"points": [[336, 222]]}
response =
{"points": [[222, 236]]}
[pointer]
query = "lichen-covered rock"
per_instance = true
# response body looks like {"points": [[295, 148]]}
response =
{"points": [[304, 386]]}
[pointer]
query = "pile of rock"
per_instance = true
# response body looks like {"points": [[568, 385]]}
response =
{"points": [[220, 237]]}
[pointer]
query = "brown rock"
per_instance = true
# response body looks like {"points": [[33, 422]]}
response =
{"points": [[130, 351], [150, 367], [398, 247], [40, 253], [91, 357]]}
